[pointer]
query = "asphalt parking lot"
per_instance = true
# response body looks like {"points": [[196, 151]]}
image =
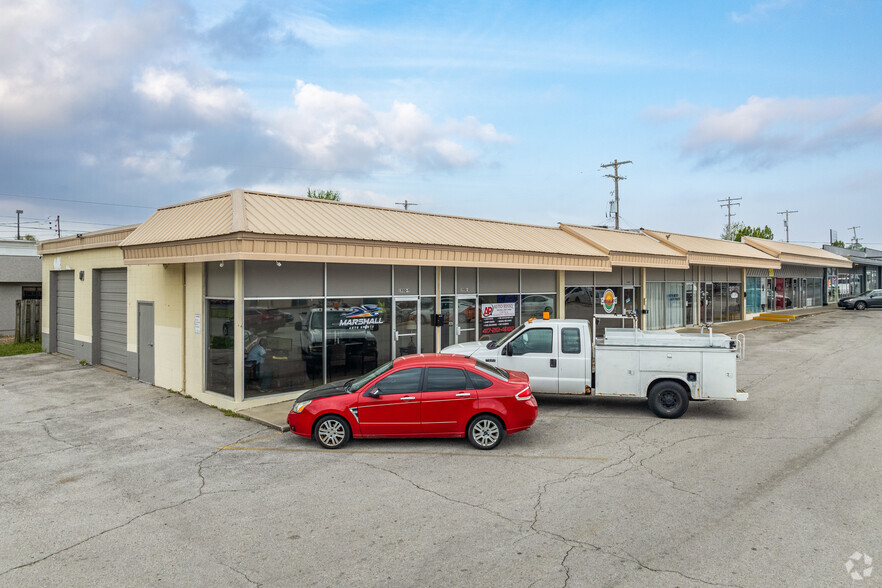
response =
{"points": [[108, 481]]}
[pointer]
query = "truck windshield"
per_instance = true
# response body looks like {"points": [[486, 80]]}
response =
{"points": [[506, 339], [357, 383]]}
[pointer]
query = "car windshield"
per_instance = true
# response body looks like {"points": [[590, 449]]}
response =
{"points": [[354, 385], [492, 370], [506, 339]]}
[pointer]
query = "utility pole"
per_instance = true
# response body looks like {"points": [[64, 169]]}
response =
{"points": [[786, 214], [730, 202], [18, 214], [406, 204], [854, 230], [58, 225], [616, 177]]}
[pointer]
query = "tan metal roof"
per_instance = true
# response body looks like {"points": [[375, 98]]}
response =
{"points": [[798, 254], [252, 225], [629, 248], [93, 240], [706, 251]]}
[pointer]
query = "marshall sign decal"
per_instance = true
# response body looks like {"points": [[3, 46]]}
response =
{"points": [[367, 316]]}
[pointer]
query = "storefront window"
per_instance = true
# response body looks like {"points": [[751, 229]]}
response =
{"points": [[535, 305], [579, 302], [734, 302], [655, 303], [500, 315], [754, 295], [359, 336], [219, 330], [283, 345], [427, 331], [673, 304]]}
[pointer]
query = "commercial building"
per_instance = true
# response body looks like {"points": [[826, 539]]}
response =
{"points": [[244, 298], [19, 279], [864, 274]]}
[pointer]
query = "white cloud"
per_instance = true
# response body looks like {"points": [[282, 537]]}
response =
{"points": [[340, 132], [212, 98], [758, 11], [770, 130]]}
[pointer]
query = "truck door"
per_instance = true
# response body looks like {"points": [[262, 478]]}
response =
{"points": [[573, 361], [534, 352]]}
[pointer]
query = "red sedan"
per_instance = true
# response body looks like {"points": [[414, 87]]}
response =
{"points": [[431, 395]]}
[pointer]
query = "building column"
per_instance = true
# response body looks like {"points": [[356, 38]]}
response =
{"points": [[239, 331], [438, 306], [561, 294], [644, 311]]}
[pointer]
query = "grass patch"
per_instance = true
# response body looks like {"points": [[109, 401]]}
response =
{"points": [[8, 349], [232, 413]]}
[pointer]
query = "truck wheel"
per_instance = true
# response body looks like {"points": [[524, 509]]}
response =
{"points": [[668, 400]]}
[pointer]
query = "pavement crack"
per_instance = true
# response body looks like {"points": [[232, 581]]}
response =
{"points": [[131, 520], [442, 496], [244, 575], [563, 564], [678, 573]]}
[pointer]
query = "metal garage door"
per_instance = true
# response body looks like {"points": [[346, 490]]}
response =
{"points": [[112, 318], [64, 313]]}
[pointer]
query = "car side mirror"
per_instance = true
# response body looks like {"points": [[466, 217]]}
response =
{"points": [[373, 393], [298, 326]]}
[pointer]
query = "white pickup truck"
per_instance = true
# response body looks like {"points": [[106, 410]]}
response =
{"points": [[561, 357]]}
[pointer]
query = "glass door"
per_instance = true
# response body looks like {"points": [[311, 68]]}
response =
{"points": [[406, 336], [466, 319]]}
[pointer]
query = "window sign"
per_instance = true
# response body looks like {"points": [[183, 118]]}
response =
{"points": [[496, 318], [609, 301], [197, 324]]}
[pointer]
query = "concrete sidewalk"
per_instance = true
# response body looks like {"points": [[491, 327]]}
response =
{"points": [[275, 415]]}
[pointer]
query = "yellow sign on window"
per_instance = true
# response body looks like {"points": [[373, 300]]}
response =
{"points": [[771, 273]]}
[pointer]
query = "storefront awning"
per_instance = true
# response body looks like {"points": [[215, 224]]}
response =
{"points": [[630, 248], [256, 226], [798, 254], [716, 252], [93, 240]]}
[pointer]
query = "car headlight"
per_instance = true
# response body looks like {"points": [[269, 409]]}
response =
{"points": [[299, 406]]}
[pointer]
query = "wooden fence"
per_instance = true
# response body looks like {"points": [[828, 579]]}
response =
{"points": [[27, 320]]}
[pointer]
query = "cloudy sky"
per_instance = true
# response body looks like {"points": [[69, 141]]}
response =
{"points": [[110, 109]]}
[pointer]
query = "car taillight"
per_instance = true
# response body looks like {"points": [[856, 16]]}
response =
{"points": [[524, 394]]}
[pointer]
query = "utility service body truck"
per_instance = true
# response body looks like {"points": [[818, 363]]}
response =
{"points": [[562, 357]]}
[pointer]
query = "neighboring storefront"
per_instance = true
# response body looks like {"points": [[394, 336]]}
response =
{"points": [[807, 277], [243, 298], [863, 275]]}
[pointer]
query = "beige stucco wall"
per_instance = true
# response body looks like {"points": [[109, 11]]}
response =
{"points": [[78, 261], [162, 285]]}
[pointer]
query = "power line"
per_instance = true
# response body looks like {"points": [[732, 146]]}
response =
{"points": [[77, 201], [616, 177], [786, 214], [730, 202]]}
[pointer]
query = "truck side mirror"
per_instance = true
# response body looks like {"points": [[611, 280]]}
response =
{"points": [[298, 326], [506, 350]]}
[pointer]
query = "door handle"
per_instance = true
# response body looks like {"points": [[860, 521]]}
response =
{"points": [[408, 397], [552, 363], [464, 394]]}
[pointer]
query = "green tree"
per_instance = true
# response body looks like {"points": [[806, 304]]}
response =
{"points": [[838, 243], [741, 230], [323, 194], [29, 238]]}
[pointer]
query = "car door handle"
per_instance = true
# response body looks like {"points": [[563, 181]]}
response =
{"points": [[408, 397], [552, 363], [464, 394]]}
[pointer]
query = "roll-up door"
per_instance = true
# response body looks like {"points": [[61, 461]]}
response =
{"points": [[64, 313], [112, 318]]}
